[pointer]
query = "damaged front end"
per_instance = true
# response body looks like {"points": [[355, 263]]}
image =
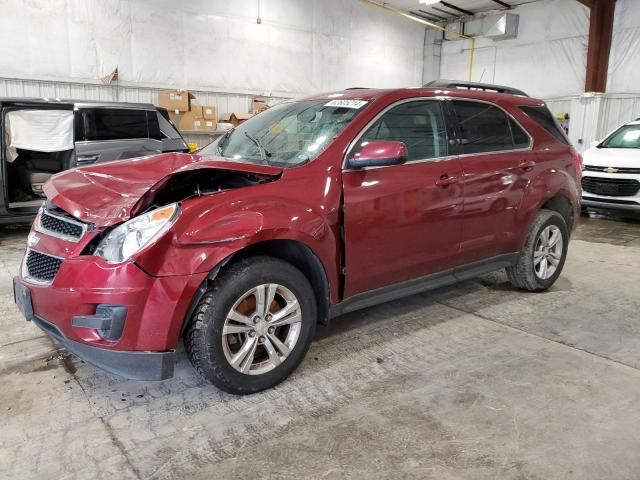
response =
{"points": [[126, 213], [108, 194]]}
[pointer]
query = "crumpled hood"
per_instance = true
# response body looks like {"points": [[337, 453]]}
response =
{"points": [[107, 194]]}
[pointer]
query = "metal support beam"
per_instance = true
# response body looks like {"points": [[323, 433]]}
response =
{"points": [[450, 16], [458, 9], [600, 33], [426, 16], [504, 4], [431, 14]]}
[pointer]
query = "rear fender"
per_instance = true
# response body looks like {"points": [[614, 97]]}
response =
{"points": [[547, 185]]}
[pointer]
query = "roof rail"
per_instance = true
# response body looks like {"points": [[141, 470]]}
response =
{"points": [[358, 88], [486, 87]]}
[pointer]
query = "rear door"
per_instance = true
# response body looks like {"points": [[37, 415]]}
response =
{"points": [[403, 221], [497, 163], [104, 134]]}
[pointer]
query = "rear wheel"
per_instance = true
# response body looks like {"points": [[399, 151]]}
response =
{"points": [[541, 260], [253, 327]]}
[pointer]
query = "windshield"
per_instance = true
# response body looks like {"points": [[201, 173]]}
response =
{"points": [[627, 136], [287, 134]]}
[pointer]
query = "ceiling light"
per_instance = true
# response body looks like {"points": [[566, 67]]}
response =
{"points": [[429, 2]]}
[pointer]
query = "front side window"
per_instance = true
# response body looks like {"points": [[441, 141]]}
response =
{"points": [[418, 124], [288, 134], [627, 136], [114, 124], [486, 128]]}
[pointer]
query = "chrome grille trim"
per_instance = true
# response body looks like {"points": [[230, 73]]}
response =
{"points": [[62, 220], [56, 263]]}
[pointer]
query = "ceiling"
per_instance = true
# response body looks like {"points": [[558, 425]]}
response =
{"points": [[445, 11]]}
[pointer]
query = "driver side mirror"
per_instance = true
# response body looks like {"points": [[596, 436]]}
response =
{"points": [[380, 153]]}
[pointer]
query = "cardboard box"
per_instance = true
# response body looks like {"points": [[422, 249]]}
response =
{"points": [[186, 121], [209, 125], [176, 100], [196, 110], [209, 112], [235, 118], [258, 106]]}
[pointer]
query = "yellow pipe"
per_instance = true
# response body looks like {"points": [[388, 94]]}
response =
{"points": [[431, 25]]}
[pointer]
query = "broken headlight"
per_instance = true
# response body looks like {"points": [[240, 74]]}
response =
{"points": [[131, 237]]}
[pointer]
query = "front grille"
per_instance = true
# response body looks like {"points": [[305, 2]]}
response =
{"points": [[611, 187], [591, 168], [60, 226], [41, 267]]}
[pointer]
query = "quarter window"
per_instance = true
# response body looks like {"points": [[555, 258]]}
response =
{"points": [[486, 128], [419, 125], [543, 117]]}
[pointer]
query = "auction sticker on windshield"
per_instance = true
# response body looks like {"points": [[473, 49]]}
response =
{"points": [[346, 103]]}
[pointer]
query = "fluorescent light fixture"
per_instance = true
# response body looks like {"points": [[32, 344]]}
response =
{"points": [[429, 2]]}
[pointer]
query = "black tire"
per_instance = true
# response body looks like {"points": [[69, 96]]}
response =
{"points": [[522, 275], [204, 340]]}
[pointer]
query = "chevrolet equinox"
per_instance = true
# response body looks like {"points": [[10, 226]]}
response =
{"points": [[314, 208]]}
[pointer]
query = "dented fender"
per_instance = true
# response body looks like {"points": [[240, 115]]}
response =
{"points": [[207, 233]]}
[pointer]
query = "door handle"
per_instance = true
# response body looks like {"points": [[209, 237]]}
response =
{"points": [[85, 159], [527, 165], [445, 180]]}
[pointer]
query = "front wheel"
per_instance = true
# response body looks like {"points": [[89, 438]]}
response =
{"points": [[253, 327], [541, 260]]}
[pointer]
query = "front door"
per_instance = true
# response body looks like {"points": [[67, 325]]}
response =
{"points": [[403, 221], [497, 163]]}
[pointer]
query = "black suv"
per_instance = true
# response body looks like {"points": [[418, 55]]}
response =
{"points": [[41, 137]]}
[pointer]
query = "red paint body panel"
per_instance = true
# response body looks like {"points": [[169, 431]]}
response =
{"points": [[399, 222]]}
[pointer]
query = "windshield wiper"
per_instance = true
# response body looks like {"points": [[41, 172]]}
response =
{"points": [[264, 153]]}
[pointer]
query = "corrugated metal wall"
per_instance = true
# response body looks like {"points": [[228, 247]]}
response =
{"points": [[224, 102], [591, 117]]}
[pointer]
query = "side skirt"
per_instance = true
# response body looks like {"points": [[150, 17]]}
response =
{"points": [[422, 284]]}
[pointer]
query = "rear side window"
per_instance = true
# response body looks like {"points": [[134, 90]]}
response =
{"points": [[419, 125], [542, 116], [114, 124], [486, 128]]}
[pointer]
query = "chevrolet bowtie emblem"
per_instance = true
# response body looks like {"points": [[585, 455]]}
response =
{"points": [[611, 170]]}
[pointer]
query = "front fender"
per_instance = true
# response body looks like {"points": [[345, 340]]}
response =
{"points": [[203, 239]]}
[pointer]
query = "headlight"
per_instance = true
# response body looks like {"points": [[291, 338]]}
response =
{"points": [[132, 236]]}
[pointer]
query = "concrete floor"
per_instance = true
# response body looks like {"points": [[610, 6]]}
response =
{"points": [[472, 382]]}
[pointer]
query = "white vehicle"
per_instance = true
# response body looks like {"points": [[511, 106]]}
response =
{"points": [[611, 171]]}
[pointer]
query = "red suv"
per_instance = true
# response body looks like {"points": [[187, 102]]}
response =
{"points": [[315, 207]]}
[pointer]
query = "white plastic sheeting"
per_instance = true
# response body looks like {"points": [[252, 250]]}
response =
{"points": [[300, 46], [39, 130], [624, 73], [548, 58]]}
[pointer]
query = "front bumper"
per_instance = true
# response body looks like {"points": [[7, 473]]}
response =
{"points": [[116, 317], [135, 365], [610, 203], [127, 364]]}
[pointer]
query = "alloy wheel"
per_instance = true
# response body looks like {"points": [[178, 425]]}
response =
{"points": [[547, 252], [261, 329]]}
